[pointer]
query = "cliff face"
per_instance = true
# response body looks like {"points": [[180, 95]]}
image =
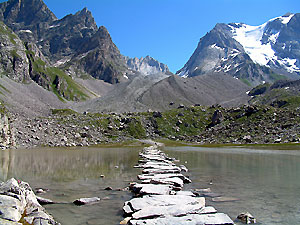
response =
{"points": [[73, 43], [13, 59]]}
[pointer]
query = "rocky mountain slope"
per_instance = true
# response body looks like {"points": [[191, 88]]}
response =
{"points": [[144, 93], [147, 65], [254, 54], [57, 53], [74, 39], [284, 93]]}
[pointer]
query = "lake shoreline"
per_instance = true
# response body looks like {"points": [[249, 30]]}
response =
{"points": [[195, 126]]}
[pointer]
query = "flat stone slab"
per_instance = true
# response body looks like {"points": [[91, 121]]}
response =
{"points": [[7, 222], [173, 210], [8, 201], [86, 201], [174, 181], [225, 199], [9, 213], [151, 189], [193, 219], [164, 176], [186, 193], [137, 204], [150, 164], [161, 171]]}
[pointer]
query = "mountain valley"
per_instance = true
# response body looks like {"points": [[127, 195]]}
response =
{"points": [[72, 64]]}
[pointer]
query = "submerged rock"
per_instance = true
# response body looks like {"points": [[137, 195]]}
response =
{"points": [[246, 218], [86, 201], [44, 201]]}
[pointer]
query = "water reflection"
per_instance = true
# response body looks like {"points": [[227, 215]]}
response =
{"points": [[72, 174], [266, 182]]}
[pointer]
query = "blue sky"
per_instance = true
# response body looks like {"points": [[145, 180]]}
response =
{"points": [[169, 30]]}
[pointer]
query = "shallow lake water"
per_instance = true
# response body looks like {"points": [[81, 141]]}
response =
{"points": [[265, 182]]}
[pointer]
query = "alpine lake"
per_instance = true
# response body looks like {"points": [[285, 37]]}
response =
{"points": [[262, 181]]}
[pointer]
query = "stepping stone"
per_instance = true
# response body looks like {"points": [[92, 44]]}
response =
{"points": [[161, 171], [194, 219], [151, 189], [185, 193], [173, 210], [163, 176], [137, 204], [174, 181]]}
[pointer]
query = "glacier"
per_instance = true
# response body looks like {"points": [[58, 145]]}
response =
{"points": [[250, 37]]}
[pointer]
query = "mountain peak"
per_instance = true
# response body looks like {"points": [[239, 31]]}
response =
{"points": [[28, 12], [147, 65], [287, 14]]}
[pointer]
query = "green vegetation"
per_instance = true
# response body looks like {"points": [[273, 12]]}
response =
{"points": [[136, 129], [184, 122], [260, 89], [246, 81], [3, 110], [276, 77], [59, 82], [15, 54], [63, 112], [65, 86], [4, 30]]}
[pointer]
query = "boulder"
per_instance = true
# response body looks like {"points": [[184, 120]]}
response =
{"points": [[86, 201], [7, 222], [246, 218], [44, 201], [10, 213], [217, 117]]}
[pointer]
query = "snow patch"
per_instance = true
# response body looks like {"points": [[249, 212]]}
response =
{"points": [[290, 64], [62, 61], [273, 38], [286, 19], [53, 26], [216, 47], [125, 76], [25, 31], [184, 73]]}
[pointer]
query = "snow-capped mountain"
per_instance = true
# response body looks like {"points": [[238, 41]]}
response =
{"points": [[255, 54]]}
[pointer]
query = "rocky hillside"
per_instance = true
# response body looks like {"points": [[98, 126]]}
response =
{"points": [[254, 54], [282, 93], [154, 93], [196, 124]]}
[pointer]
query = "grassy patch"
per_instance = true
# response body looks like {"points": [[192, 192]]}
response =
{"points": [[276, 77], [246, 81], [63, 112], [136, 129], [186, 122], [15, 54], [4, 30]]}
